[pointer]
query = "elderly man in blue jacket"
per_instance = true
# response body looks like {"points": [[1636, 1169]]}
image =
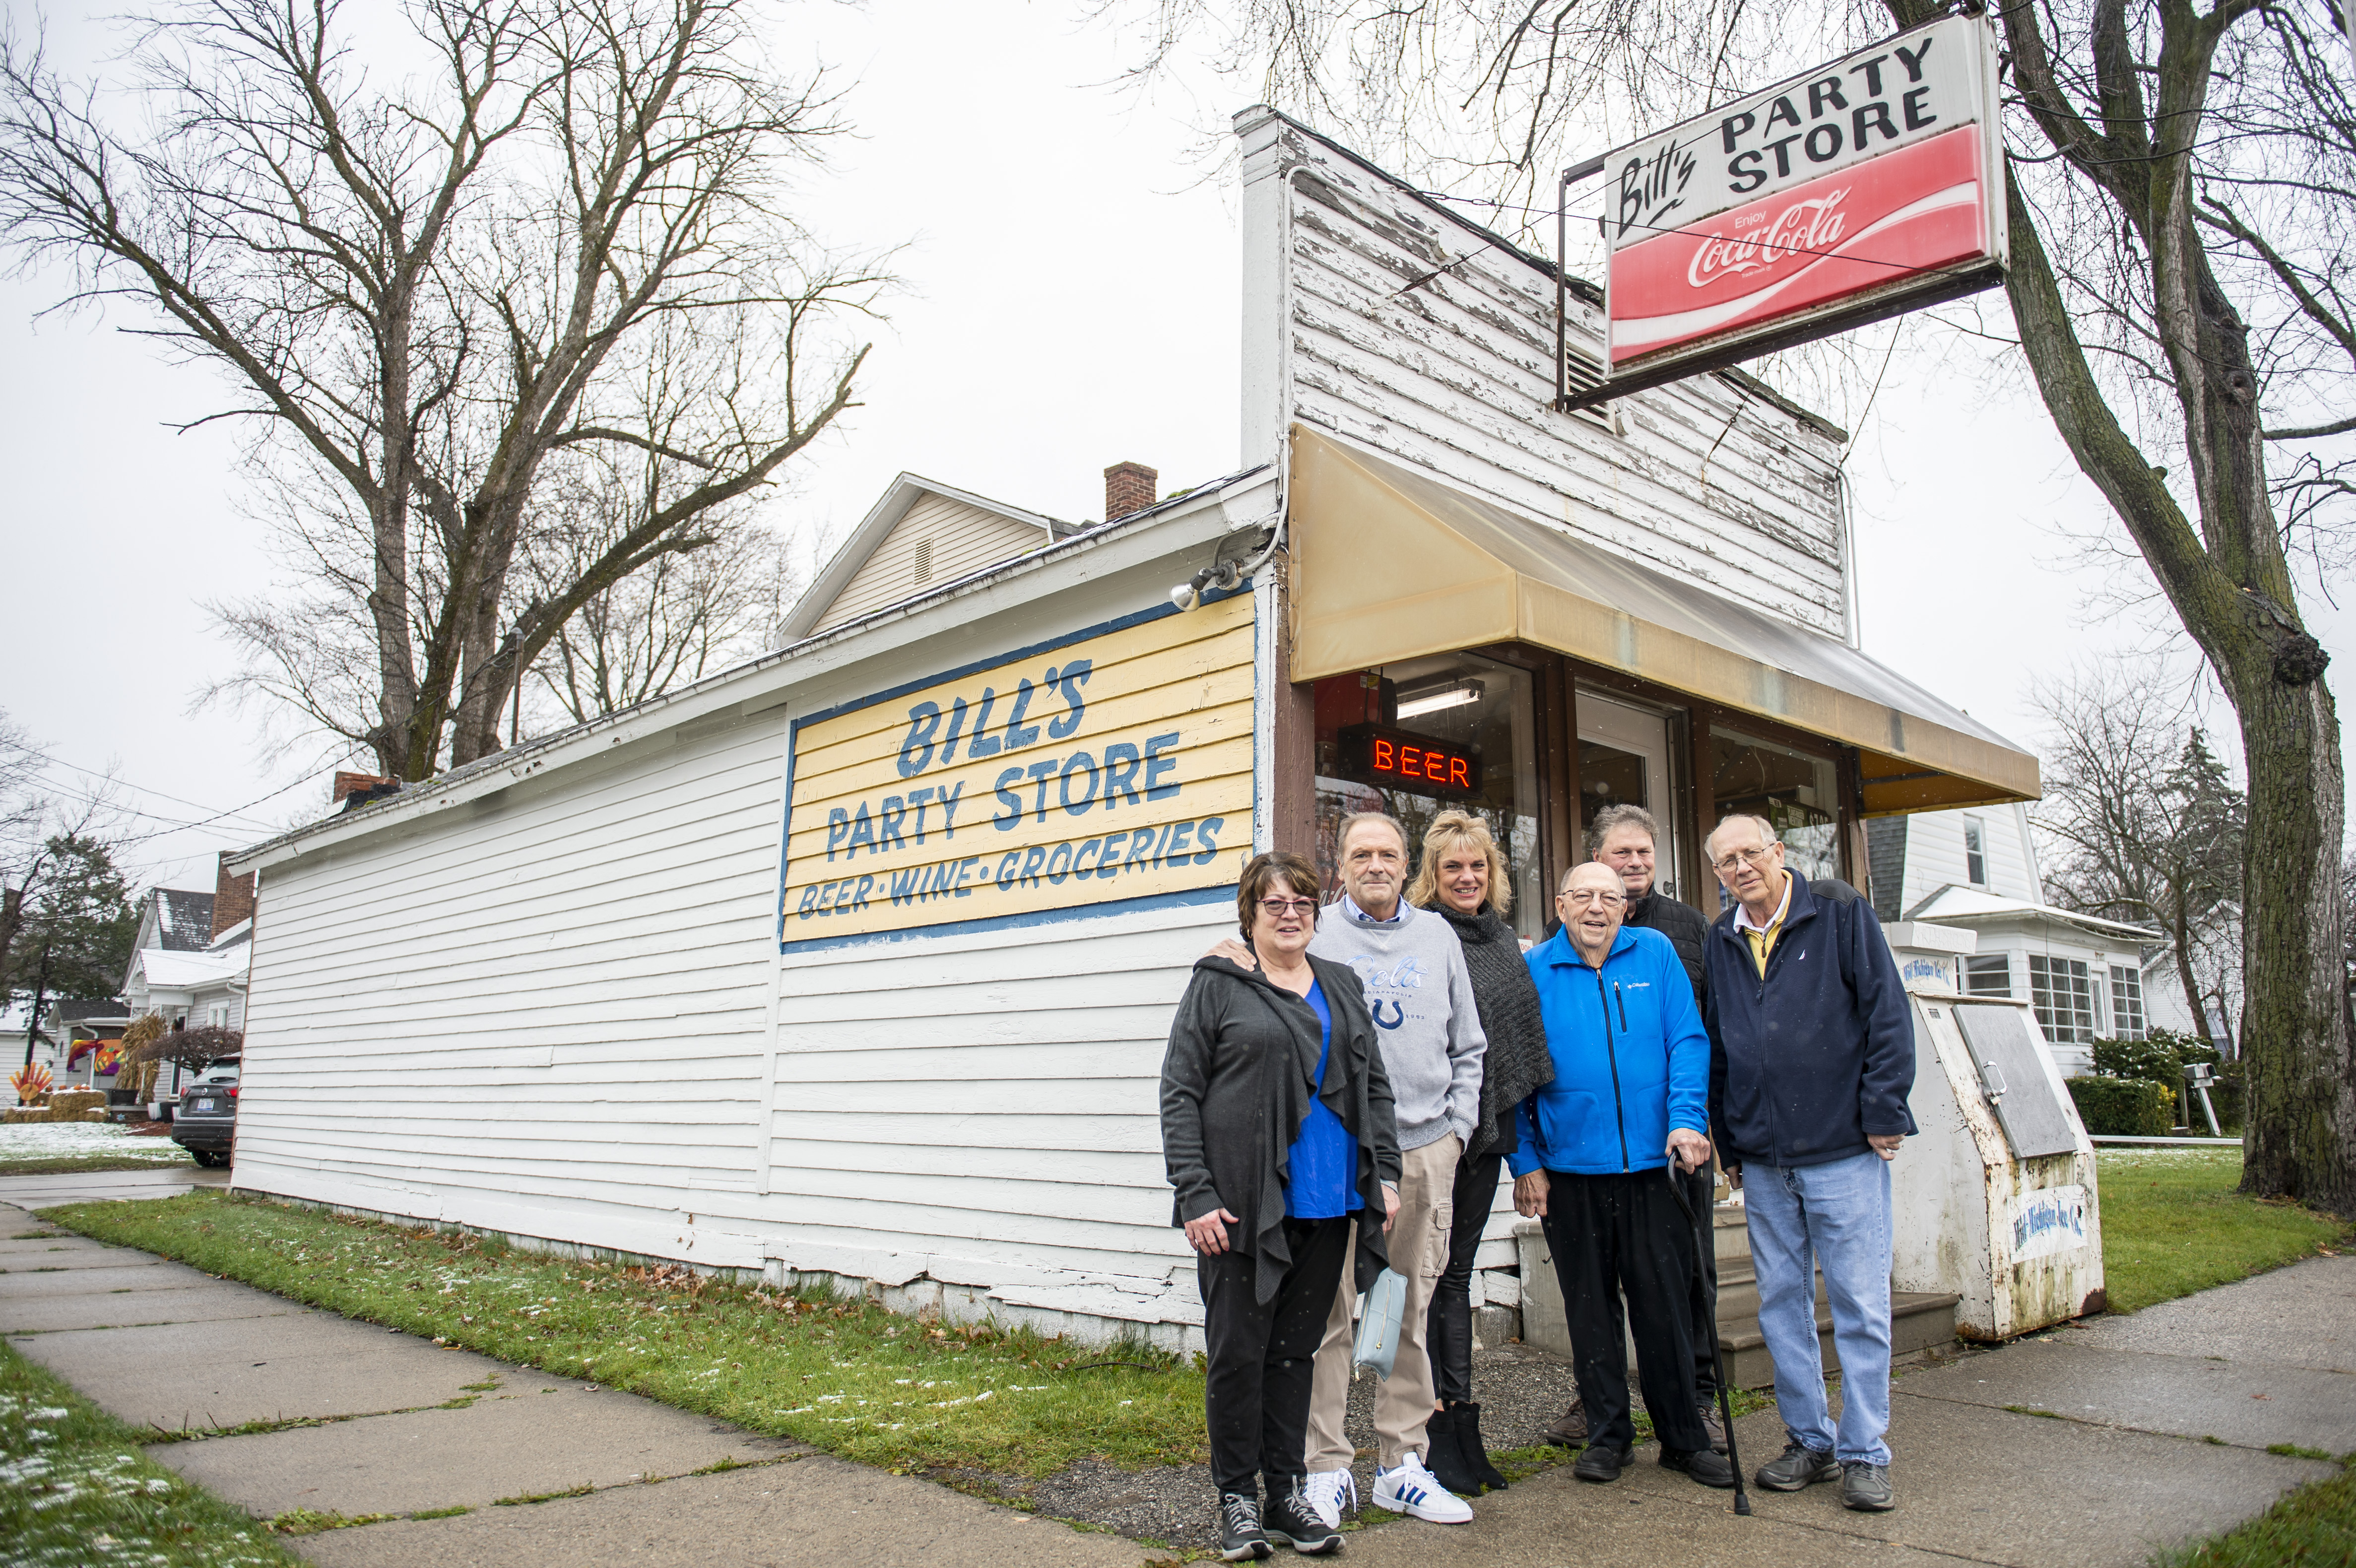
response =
{"points": [[1814, 1058], [1631, 1077]]}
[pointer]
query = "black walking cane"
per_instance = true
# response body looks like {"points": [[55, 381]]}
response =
{"points": [[1717, 1351]]}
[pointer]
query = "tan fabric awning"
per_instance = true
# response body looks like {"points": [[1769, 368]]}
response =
{"points": [[1391, 563]]}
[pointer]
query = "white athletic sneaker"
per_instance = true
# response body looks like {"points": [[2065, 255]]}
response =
{"points": [[1410, 1490], [1324, 1492]]}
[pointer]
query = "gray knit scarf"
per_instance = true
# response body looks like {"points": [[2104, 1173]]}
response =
{"points": [[1517, 1063]]}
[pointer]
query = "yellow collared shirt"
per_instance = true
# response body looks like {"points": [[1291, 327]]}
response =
{"points": [[1763, 942]]}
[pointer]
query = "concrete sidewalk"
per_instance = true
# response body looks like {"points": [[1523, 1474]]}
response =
{"points": [[2083, 1448]]}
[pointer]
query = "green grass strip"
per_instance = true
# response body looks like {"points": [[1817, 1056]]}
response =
{"points": [[2313, 1527], [842, 1376], [2172, 1224], [75, 1489]]}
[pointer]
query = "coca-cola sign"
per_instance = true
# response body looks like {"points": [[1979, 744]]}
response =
{"points": [[1870, 182], [1882, 222]]}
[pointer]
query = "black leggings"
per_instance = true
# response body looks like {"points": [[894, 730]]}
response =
{"points": [[1448, 1330], [1262, 1354]]}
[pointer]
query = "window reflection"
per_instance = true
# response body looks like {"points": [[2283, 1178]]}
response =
{"points": [[1452, 731], [1792, 789]]}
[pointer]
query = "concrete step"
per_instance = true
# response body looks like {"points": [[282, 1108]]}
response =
{"points": [[1918, 1321]]}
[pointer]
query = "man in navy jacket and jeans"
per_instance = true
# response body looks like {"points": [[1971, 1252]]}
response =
{"points": [[1814, 1057]]}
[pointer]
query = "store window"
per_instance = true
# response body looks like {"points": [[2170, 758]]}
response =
{"points": [[2126, 1003], [1423, 736], [2062, 990], [1988, 974], [1794, 790]]}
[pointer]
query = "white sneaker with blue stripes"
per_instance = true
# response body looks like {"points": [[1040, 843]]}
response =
{"points": [[1410, 1490], [1323, 1493]]}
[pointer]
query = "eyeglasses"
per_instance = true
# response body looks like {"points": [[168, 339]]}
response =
{"points": [[1755, 856], [1583, 897], [1277, 908]]}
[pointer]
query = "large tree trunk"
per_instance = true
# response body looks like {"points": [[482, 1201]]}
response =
{"points": [[2230, 586], [2295, 1034]]}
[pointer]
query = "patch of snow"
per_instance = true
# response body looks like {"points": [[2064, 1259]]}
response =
{"points": [[58, 1140]]}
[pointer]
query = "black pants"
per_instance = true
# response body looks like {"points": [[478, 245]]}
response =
{"points": [[1263, 1355], [1447, 1331], [1611, 1234], [1701, 1189]]}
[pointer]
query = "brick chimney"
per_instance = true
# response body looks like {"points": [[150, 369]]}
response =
{"points": [[1129, 487], [350, 784], [232, 897]]}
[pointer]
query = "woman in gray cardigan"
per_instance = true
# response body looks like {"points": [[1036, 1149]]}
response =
{"points": [[1277, 1129]]}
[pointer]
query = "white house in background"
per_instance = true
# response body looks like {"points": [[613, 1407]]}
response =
{"points": [[199, 989], [922, 535], [1978, 870], [174, 919]]}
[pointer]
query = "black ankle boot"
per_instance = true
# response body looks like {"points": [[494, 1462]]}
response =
{"points": [[1446, 1458], [1475, 1451]]}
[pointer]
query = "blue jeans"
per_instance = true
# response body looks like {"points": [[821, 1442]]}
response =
{"points": [[1836, 1217]]}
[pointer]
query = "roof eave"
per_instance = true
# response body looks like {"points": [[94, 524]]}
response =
{"points": [[659, 714]]}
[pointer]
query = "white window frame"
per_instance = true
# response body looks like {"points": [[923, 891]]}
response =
{"points": [[2048, 976], [2128, 1016], [1976, 828], [1971, 976]]}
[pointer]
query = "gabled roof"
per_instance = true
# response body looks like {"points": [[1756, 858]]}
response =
{"points": [[1964, 905], [187, 970], [905, 491], [184, 921], [90, 1011]]}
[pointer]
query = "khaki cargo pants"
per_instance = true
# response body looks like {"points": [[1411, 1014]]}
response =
{"points": [[1419, 1249]]}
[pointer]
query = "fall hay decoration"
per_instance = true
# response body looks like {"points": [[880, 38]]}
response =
{"points": [[31, 1082]]}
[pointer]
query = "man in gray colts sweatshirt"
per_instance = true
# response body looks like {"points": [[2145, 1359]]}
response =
{"points": [[1413, 965]]}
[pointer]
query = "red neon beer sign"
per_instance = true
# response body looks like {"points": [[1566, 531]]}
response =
{"points": [[1398, 759]]}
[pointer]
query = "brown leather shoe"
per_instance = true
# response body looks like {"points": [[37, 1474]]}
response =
{"points": [[1570, 1431]]}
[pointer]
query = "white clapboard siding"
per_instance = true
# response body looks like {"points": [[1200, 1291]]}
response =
{"points": [[545, 1013], [960, 539], [1456, 375], [985, 1109]]}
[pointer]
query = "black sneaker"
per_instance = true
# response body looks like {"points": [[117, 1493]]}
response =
{"points": [[1866, 1488], [1240, 1536], [1707, 1466], [1797, 1468], [1293, 1521], [1601, 1462]]}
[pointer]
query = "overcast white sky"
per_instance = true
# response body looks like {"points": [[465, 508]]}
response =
{"points": [[1071, 301]]}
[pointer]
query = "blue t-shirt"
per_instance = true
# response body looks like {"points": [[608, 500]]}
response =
{"points": [[1322, 1166]]}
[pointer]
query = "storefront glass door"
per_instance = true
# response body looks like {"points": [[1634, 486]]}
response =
{"points": [[1623, 760]]}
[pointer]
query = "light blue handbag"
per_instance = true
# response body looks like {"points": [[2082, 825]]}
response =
{"points": [[1378, 1325]]}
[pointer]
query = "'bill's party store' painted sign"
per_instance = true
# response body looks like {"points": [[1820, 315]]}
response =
{"points": [[1116, 766]]}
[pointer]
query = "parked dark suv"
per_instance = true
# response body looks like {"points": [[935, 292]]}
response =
{"points": [[206, 1123]]}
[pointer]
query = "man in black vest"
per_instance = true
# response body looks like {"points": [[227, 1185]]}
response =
{"points": [[1623, 837]]}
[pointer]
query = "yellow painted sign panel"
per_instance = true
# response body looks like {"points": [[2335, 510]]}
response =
{"points": [[1113, 767]]}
